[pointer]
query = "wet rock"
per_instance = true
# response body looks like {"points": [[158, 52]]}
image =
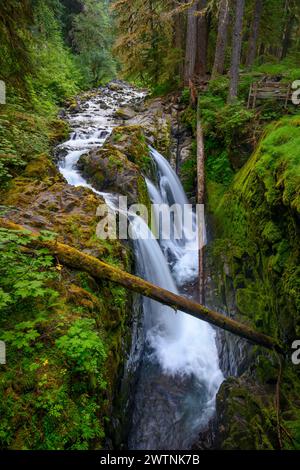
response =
{"points": [[109, 170], [245, 419], [125, 113], [165, 407], [55, 206], [115, 86], [103, 105]]}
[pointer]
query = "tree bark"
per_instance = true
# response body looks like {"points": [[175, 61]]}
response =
{"points": [[178, 42], [252, 48], [191, 44], [99, 270], [224, 17], [236, 50], [201, 201], [287, 38], [202, 42]]}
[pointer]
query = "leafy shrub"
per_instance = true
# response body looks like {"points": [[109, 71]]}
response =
{"points": [[185, 96], [83, 349], [219, 87], [218, 168], [54, 375], [24, 278]]}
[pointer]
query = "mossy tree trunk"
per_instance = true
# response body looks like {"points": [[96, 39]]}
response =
{"points": [[99, 270]]}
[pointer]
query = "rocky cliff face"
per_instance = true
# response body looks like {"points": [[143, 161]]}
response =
{"points": [[254, 264]]}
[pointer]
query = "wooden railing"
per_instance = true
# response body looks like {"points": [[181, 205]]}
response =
{"points": [[269, 91]]}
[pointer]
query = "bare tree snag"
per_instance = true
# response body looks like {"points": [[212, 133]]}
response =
{"points": [[99, 270]]}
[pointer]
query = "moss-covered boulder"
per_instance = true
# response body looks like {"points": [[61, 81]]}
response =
{"points": [[245, 417], [119, 165]]}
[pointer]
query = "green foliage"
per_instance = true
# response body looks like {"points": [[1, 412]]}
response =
{"points": [[218, 168], [83, 349], [219, 87], [225, 122], [145, 42], [15, 59], [23, 278], [285, 69], [57, 76], [188, 171], [24, 137], [44, 369], [185, 96], [163, 88], [92, 41]]}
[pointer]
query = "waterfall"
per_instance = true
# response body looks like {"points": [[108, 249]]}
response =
{"points": [[179, 373], [178, 346]]}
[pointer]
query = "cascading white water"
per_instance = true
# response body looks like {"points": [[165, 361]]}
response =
{"points": [[179, 373], [181, 346], [194, 350]]}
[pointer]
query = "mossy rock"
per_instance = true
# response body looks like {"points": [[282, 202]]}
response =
{"points": [[119, 165], [256, 225], [59, 131], [131, 141], [40, 167], [246, 419]]}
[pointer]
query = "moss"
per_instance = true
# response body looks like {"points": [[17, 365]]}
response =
{"points": [[247, 422], [59, 131], [256, 223], [65, 410], [162, 136], [131, 141], [40, 167]]}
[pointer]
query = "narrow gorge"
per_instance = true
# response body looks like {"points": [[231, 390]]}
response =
{"points": [[149, 230], [177, 372]]}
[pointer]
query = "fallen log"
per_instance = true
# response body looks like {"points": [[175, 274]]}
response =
{"points": [[99, 270]]}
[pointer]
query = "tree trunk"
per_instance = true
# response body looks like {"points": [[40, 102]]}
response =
{"points": [[191, 44], [236, 50], [202, 42], [100, 270], [254, 33], [287, 38], [178, 42], [201, 201], [224, 17]]}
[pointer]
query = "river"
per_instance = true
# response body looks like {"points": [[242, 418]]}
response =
{"points": [[178, 372]]}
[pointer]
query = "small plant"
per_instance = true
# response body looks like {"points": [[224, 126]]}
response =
{"points": [[83, 348]]}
